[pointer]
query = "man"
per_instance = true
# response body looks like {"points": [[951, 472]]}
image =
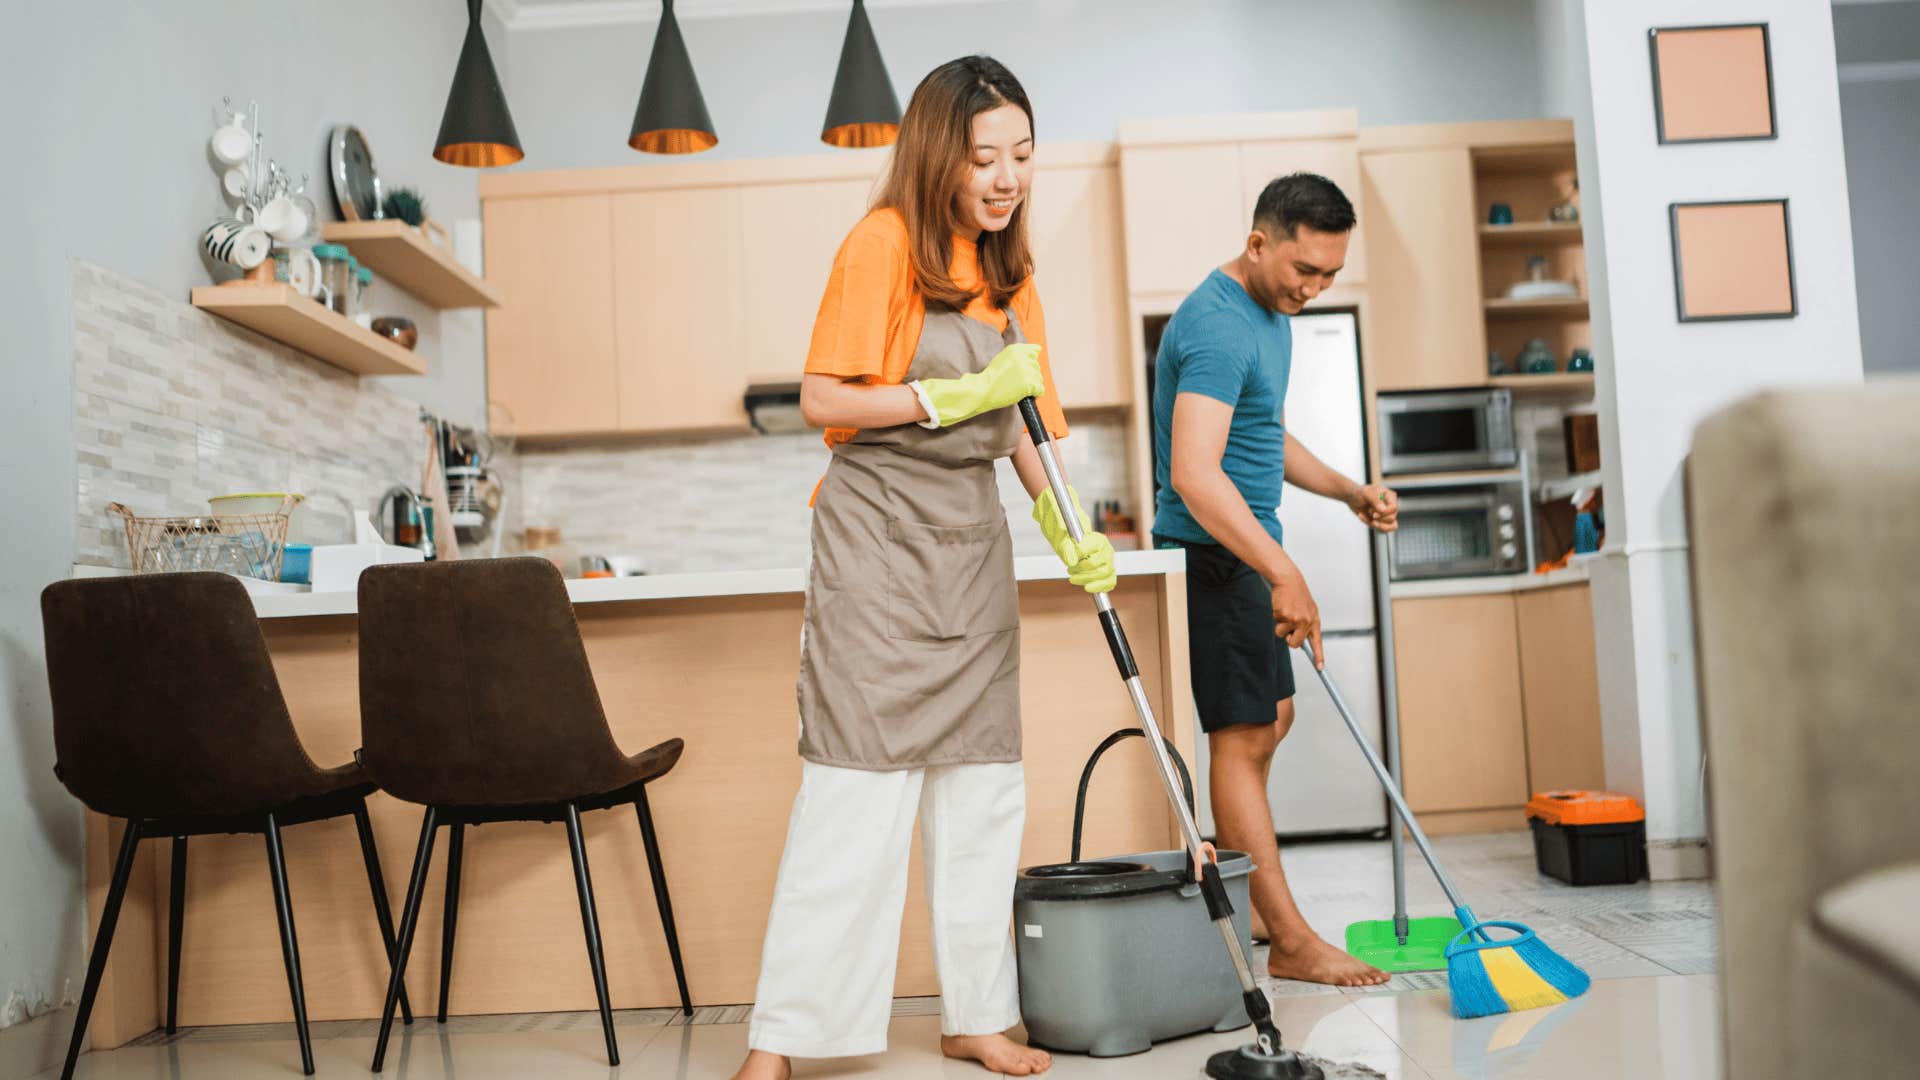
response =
{"points": [[1221, 443]]}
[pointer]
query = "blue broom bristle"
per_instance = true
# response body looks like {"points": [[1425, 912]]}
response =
{"points": [[1559, 972], [1474, 992]]}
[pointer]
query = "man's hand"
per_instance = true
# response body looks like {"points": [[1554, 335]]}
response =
{"points": [[1377, 506], [1295, 616]]}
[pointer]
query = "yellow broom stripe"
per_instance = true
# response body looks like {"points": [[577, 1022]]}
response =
{"points": [[1518, 985]]}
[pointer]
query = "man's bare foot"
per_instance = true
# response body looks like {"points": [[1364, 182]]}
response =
{"points": [[761, 1065], [998, 1053], [1311, 960]]}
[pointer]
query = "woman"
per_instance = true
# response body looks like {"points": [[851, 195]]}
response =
{"points": [[930, 330]]}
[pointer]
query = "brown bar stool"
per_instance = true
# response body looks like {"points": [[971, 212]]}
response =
{"points": [[166, 712], [476, 701]]}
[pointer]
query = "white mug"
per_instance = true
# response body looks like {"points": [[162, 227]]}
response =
{"points": [[232, 143], [284, 218], [236, 242], [237, 182]]}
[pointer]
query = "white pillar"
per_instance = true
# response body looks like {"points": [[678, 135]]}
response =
{"points": [[1657, 377]]}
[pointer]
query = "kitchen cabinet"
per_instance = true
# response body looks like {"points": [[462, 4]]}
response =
{"points": [[1462, 726], [1336, 159], [790, 233], [1074, 229], [550, 343], [1423, 253], [1183, 214], [1561, 688], [680, 321]]}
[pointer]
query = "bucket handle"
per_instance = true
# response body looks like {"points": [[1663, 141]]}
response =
{"points": [[1086, 775]]}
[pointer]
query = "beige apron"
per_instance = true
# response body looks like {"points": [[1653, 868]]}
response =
{"points": [[910, 650]]}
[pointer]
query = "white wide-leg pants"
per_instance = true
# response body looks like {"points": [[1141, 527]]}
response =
{"points": [[827, 969]]}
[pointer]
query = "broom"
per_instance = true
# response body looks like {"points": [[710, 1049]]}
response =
{"points": [[1485, 975]]}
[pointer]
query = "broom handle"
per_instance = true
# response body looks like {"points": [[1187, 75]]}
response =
{"points": [[1386, 781], [1219, 910], [1390, 713]]}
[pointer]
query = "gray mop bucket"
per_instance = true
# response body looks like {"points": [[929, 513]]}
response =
{"points": [[1118, 954]]}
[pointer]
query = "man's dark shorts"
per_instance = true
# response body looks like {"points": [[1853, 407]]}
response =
{"points": [[1241, 669]]}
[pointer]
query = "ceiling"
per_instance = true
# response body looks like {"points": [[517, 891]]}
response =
{"points": [[563, 14]]}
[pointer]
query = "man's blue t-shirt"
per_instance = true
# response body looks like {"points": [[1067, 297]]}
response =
{"points": [[1222, 344]]}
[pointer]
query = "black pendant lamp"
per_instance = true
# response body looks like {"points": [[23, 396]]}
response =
{"points": [[672, 116], [863, 110], [476, 130]]}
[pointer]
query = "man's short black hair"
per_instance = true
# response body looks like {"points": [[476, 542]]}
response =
{"points": [[1302, 198]]}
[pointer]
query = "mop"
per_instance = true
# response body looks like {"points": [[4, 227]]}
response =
{"points": [[1402, 944], [1486, 976], [1266, 1058]]}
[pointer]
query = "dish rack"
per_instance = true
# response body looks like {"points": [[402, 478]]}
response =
{"points": [[244, 545]]}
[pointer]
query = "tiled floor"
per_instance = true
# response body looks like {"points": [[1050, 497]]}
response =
{"points": [[1652, 1013]]}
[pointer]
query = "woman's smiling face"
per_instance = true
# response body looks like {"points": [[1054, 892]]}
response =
{"points": [[1000, 172]]}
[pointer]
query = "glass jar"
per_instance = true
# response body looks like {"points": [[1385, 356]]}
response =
{"points": [[1580, 361], [362, 286], [1536, 358], [336, 276]]}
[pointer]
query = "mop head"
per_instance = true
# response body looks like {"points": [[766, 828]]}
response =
{"points": [[1489, 977], [1248, 1063]]}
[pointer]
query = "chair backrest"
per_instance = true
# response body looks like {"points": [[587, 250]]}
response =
{"points": [[475, 689], [164, 698], [1803, 512]]}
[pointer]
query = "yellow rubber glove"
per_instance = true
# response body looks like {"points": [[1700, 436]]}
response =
{"points": [[1089, 562], [1012, 374]]}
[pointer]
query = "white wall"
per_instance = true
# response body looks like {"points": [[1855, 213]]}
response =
{"points": [[1878, 46], [110, 106], [1085, 63], [1658, 377]]}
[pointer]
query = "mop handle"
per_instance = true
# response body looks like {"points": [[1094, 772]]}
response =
{"points": [[1390, 713], [1386, 781], [1116, 636]]}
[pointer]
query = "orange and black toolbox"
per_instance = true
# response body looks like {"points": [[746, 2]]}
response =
{"points": [[1589, 837]]}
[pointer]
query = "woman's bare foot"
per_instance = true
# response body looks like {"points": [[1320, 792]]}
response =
{"points": [[1309, 959], [761, 1065], [997, 1052]]}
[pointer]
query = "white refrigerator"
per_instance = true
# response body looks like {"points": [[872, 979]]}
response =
{"points": [[1320, 785]]}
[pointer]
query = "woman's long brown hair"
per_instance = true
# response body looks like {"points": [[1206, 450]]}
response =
{"points": [[929, 169]]}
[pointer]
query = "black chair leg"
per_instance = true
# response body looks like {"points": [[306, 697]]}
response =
{"points": [[591, 922], [289, 942], [102, 941], [659, 873], [370, 854], [450, 910], [176, 919], [409, 918]]}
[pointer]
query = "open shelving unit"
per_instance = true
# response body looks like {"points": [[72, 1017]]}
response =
{"points": [[1564, 382], [404, 256], [1531, 179], [278, 312]]}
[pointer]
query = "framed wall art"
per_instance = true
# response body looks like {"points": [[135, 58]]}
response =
{"points": [[1733, 260], [1712, 83]]}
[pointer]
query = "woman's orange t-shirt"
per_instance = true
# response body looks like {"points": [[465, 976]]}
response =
{"points": [[870, 317]]}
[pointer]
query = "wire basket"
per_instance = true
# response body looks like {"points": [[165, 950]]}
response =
{"points": [[244, 545]]}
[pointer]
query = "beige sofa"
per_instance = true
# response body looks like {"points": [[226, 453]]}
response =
{"points": [[1804, 517]]}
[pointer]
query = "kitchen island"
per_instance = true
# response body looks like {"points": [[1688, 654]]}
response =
{"points": [[711, 658]]}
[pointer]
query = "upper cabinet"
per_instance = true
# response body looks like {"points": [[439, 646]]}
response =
{"points": [[790, 234], [1191, 185], [1074, 226], [550, 344], [1427, 325]]}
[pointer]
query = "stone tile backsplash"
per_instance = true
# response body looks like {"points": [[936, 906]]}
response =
{"points": [[740, 502], [172, 405]]}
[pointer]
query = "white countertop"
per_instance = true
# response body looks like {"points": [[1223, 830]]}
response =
{"points": [[278, 605], [1574, 573]]}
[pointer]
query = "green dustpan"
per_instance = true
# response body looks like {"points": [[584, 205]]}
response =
{"points": [[1426, 949]]}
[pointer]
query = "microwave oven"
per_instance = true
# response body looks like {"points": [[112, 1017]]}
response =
{"points": [[1463, 529], [1446, 431]]}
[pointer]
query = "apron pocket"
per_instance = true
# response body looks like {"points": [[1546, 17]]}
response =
{"points": [[945, 583]]}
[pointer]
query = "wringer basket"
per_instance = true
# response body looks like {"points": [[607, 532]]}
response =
{"points": [[245, 545]]}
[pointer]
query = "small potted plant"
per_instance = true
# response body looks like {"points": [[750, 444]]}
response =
{"points": [[408, 205]]}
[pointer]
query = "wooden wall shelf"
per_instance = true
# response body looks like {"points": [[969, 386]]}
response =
{"points": [[1573, 306], [403, 255], [1532, 232], [291, 319], [1562, 382]]}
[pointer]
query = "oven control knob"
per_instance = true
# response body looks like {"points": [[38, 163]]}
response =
{"points": [[1506, 531], [1508, 551], [1504, 512]]}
